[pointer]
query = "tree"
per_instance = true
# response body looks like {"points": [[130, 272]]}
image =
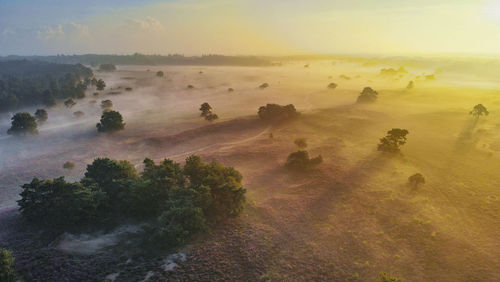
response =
{"points": [[100, 84], [205, 109], [190, 86], [230, 90], [23, 124], [277, 113], [395, 138], [300, 161], [416, 179], [106, 104], [332, 85], [110, 121], [68, 165], [264, 85], [78, 114], [410, 85], [159, 74], [60, 203], [41, 115], [479, 110], [301, 143], [69, 103], [368, 95], [7, 273]]}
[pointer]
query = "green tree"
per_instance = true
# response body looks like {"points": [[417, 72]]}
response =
{"points": [[479, 110], [416, 179], [7, 273], [110, 121], [68, 165], [100, 84], [23, 124], [368, 95], [395, 138], [277, 113], [159, 74], [69, 103], [205, 109], [41, 115], [300, 161], [410, 85]]}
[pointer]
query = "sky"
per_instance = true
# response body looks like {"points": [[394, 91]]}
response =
{"points": [[250, 27]]}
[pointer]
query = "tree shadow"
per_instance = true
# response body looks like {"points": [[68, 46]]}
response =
{"points": [[468, 137]]}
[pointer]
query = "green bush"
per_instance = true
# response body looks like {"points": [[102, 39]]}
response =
{"points": [[277, 113], [395, 138], [7, 273], [23, 124], [368, 95], [300, 161], [41, 115], [68, 165], [110, 121]]}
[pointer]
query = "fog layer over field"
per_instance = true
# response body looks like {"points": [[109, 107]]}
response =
{"points": [[356, 211]]}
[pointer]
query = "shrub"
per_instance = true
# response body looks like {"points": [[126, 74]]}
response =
{"points": [[69, 103], [410, 85], [110, 121], [205, 109], [300, 161], [301, 143], [159, 74], [384, 277], [190, 86], [106, 104], [230, 89], [41, 115], [332, 85], [23, 124], [395, 138], [68, 165], [264, 85], [277, 113], [416, 179], [78, 114], [100, 85], [7, 273], [128, 88], [368, 95], [211, 117]]}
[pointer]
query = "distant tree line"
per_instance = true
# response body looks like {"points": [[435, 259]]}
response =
{"points": [[26, 83], [142, 59]]}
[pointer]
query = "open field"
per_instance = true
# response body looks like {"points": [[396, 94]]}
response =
{"points": [[349, 219]]}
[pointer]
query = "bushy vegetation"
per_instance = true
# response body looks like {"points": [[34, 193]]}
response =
{"points": [[23, 124], [41, 115], [479, 110], [416, 180], [368, 95], [69, 103], [395, 138], [300, 161], [7, 273], [159, 74], [100, 85], [185, 200], [264, 85], [78, 114], [110, 121], [230, 89], [384, 277], [410, 85], [332, 85], [68, 165], [25, 83], [106, 104], [206, 112], [277, 113], [190, 86], [107, 67]]}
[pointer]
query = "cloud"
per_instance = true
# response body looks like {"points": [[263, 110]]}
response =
{"points": [[68, 31], [148, 24]]}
